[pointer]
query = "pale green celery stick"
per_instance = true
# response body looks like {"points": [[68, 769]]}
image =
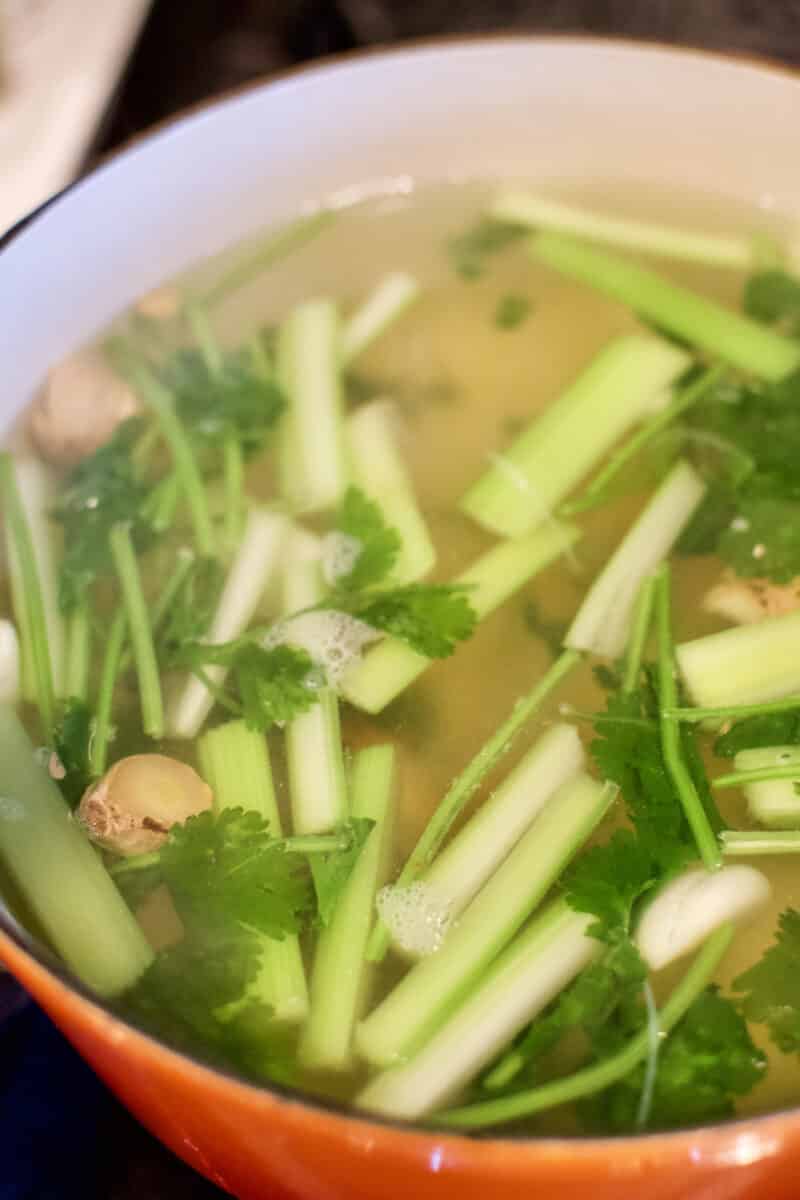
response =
{"points": [[531, 971], [539, 212], [467, 782], [598, 1076], [640, 628], [312, 461], [773, 802], [79, 644], [429, 993], [256, 560], [526, 482], [391, 666], [9, 663], [683, 399], [161, 402], [184, 560], [602, 623], [341, 975], [31, 607], [481, 845], [234, 761], [60, 876], [674, 760], [379, 471], [735, 338], [111, 666], [266, 253], [314, 752], [735, 843], [385, 304], [744, 665], [141, 634]]}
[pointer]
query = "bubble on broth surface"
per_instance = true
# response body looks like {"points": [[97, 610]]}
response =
{"points": [[333, 639], [340, 554], [416, 916]]}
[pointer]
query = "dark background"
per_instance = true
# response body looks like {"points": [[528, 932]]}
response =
{"points": [[63, 1135]]}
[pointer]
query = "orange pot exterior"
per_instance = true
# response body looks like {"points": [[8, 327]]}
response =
{"points": [[260, 1146]]}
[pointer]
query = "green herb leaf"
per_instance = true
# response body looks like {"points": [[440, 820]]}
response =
{"points": [[191, 611], [772, 986], [769, 729], [469, 251], [274, 684], [431, 617], [332, 871], [774, 297], [512, 309], [379, 544], [72, 735]]}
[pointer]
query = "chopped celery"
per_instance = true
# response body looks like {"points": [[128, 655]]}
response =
{"points": [[251, 571], [484, 842], [772, 802], [530, 972], [391, 298], [391, 666], [380, 472], [600, 1075], [602, 622], [141, 636], [9, 663], [743, 665], [465, 784], [312, 457], [539, 212], [737, 339], [340, 974], [527, 481], [426, 996], [779, 841], [109, 670], [60, 875], [235, 763]]}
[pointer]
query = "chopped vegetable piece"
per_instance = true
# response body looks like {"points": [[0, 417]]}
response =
{"points": [[511, 311], [744, 665], [391, 298]]}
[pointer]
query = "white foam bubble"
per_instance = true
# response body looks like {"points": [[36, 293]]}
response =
{"points": [[340, 553], [416, 916], [333, 639]]}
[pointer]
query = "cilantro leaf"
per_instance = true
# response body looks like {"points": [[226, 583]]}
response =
{"points": [[235, 401], [274, 684], [608, 879], [469, 251], [378, 543], [512, 309], [766, 729], [191, 611], [707, 1060], [72, 735], [431, 617], [550, 631], [330, 872], [774, 297], [764, 540], [100, 491], [772, 986]]}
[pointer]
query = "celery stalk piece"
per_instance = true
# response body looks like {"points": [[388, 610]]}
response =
{"points": [[340, 976], [141, 634], [251, 571], [531, 971], [528, 480], [481, 845], [426, 996], [59, 874], [9, 663], [601, 625], [314, 754], [745, 664], [780, 841], [392, 666], [312, 457], [540, 212], [234, 761], [36, 490], [736, 339], [772, 802], [79, 650], [380, 472], [390, 299]]}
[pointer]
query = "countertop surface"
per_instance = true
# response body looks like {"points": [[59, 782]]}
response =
{"points": [[48, 1098]]}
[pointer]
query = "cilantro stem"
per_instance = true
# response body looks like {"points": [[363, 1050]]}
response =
{"points": [[266, 254], [31, 615], [595, 493], [599, 718], [761, 774], [733, 712], [467, 782], [79, 642], [323, 843], [159, 399], [784, 841], [233, 481], [704, 836], [200, 326], [184, 561], [141, 633], [640, 628], [159, 508], [109, 671], [601, 1075], [735, 338]]}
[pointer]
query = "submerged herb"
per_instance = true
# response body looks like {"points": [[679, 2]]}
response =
{"points": [[470, 251], [772, 987], [774, 297], [377, 544], [511, 311]]}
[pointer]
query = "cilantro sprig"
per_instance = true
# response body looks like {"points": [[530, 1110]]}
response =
{"points": [[772, 987]]}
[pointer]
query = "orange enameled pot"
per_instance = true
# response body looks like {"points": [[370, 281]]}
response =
{"points": [[561, 109]]}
